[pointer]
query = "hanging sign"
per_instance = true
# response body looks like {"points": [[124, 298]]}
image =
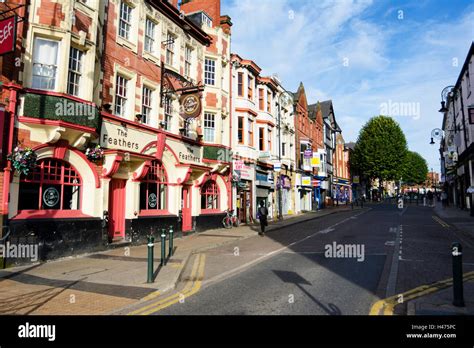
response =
{"points": [[7, 35], [190, 105]]}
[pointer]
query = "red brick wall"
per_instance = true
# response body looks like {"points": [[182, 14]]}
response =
{"points": [[82, 23], [50, 13], [114, 53]]}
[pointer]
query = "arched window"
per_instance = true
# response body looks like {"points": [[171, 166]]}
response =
{"points": [[153, 188], [210, 196], [53, 184]]}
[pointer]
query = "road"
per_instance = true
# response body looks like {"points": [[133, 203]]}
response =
{"points": [[290, 271]]}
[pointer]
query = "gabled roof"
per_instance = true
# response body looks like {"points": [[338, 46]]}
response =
{"points": [[327, 110]]}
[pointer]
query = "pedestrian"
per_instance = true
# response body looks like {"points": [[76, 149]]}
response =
{"points": [[430, 198], [262, 216], [444, 199]]}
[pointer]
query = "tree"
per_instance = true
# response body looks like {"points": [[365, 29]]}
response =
{"points": [[415, 169], [380, 150]]}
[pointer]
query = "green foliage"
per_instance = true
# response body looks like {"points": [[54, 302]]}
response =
{"points": [[380, 150], [415, 169]]}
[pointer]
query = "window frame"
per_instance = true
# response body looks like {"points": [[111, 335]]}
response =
{"points": [[126, 22], [170, 46], [250, 87], [120, 97], [167, 112], [250, 126], [213, 191], [56, 66], [76, 73], [147, 108], [42, 181], [261, 101], [240, 84], [240, 130], [147, 38], [209, 130], [209, 75], [158, 176], [188, 60]]}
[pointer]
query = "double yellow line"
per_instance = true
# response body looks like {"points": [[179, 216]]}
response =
{"points": [[438, 220], [193, 285], [387, 306]]}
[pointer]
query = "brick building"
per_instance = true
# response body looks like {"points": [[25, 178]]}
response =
{"points": [[124, 80]]}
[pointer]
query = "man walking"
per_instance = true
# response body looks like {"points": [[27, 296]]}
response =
{"points": [[262, 216]]}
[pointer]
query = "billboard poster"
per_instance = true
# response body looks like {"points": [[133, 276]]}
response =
{"points": [[7, 35]]}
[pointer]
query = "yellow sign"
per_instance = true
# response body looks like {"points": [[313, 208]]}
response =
{"points": [[355, 179], [315, 161]]}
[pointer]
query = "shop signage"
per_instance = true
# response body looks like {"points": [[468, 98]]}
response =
{"points": [[308, 153], [7, 35], [246, 173], [355, 179], [238, 165], [119, 137], [316, 183], [264, 154], [315, 160], [305, 181], [186, 153], [277, 166], [190, 105]]}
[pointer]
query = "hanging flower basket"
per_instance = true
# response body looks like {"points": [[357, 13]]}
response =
{"points": [[23, 159], [95, 153]]}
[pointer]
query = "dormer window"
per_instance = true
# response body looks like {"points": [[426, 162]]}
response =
{"points": [[206, 20]]}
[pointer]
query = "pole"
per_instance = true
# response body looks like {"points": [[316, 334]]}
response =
{"points": [[171, 233], [151, 246], [458, 291], [163, 247]]}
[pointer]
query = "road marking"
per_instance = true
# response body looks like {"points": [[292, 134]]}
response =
{"points": [[396, 256], [265, 256], [438, 220], [386, 306], [192, 286]]}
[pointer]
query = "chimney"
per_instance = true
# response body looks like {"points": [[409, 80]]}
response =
{"points": [[211, 7]]}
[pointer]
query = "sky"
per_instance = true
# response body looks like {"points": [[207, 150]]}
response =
{"points": [[370, 57]]}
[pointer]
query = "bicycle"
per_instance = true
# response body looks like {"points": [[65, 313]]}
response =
{"points": [[230, 219]]}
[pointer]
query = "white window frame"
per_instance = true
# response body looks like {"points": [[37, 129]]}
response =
{"points": [[55, 67], [188, 60], [170, 49], [209, 127], [209, 71], [149, 44], [147, 108], [74, 77], [126, 21], [121, 97], [168, 112]]}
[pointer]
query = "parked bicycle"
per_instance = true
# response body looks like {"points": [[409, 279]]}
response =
{"points": [[230, 219]]}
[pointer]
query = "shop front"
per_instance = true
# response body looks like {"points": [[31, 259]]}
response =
{"points": [[245, 192], [265, 190], [342, 190], [304, 189]]}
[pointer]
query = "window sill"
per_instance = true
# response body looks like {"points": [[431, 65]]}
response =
{"points": [[150, 56], [211, 211], [50, 214], [154, 213], [127, 43]]}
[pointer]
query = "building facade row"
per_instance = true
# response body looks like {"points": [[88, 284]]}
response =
{"points": [[138, 117]]}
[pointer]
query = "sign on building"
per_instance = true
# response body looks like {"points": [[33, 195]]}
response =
{"points": [[277, 167], [7, 35]]}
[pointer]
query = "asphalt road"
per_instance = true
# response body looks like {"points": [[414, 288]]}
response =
{"points": [[290, 272]]}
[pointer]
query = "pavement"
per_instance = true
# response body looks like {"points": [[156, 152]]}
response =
{"points": [[105, 282]]}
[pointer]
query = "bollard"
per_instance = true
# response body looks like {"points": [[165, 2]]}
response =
{"points": [[170, 252], [151, 246], [163, 247], [458, 291]]}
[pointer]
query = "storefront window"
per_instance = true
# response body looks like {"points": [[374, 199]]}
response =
{"points": [[153, 189], [210, 196], [53, 184]]}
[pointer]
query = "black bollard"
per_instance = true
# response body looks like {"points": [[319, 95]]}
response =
{"points": [[163, 247], [150, 245], [458, 291]]}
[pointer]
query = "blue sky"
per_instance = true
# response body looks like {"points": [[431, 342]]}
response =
{"points": [[367, 56]]}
